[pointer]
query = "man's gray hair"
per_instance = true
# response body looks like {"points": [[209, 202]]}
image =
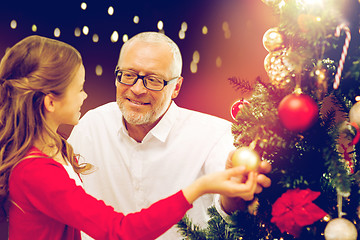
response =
{"points": [[158, 37]]}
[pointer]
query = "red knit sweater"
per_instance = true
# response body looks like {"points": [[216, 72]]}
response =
{"points": [[47, 204]]}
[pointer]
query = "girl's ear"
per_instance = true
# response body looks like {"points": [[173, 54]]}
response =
{"points": [[49, 103]]}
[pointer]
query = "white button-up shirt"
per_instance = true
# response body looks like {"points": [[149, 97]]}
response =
{"points": [[130, 176]]}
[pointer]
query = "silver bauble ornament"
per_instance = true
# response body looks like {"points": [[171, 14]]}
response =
{"points": [[340, 229]]}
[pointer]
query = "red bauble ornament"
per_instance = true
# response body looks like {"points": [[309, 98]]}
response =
{"points": [[298, 112], [236, 107]]}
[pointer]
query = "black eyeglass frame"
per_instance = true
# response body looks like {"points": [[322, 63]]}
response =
{"points": [[117, 71]]}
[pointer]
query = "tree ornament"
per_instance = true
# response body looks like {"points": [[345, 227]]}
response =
{"points": [[236, 107], [273, 40], [298, 112], [340, 229], [344, 52], [246, 156], [354, 113], [279, 69]]}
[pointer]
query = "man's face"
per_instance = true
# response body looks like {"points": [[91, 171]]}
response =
{"points": [[138, 104]]}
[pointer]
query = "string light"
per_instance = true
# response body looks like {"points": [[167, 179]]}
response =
{"points": [[34, 28]]}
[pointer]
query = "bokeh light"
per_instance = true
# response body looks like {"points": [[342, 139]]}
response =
{"points": [[160, 25], [98, 70], [110, 10], [83, 5], [114, 37], [77, 32], [204, 30], [125, 38], [85, 30], [136, 19], [95, 38], [57, 32], [13, 24]]}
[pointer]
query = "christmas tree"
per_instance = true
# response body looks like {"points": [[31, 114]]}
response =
{"points": [[305, 121]]}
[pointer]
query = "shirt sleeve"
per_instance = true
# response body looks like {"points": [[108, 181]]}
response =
{"points": [[46, 185]]}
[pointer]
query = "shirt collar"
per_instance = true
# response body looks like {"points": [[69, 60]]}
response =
{"points": [[162, 129]]}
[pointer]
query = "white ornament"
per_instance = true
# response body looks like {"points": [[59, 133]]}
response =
{"points": [[354, 113], [340, 229]]}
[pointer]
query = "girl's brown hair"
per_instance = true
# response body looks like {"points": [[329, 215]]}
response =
{"points": [[31, 69]]}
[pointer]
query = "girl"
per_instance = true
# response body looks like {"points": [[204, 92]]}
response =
{"points": [[41, 87]]}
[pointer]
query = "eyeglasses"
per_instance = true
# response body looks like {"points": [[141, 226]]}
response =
{"points": [[151, 82]]}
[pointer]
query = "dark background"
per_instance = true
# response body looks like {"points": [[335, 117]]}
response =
{"points": [[208, 90]]}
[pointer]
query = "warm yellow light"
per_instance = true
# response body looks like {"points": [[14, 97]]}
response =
{"points": [[204, 30], [357, 98], [136, 19], [193, 67], [196, 57], [218, 62], [114, 36], [95, 38], [98, 70], [77, 32], [13, 24], [225, 26], [34, 28], [57, 32], [85, 30], [184, 26], [110, 10], [181, 34], [160, 25], [125, 38], [83, 5]]}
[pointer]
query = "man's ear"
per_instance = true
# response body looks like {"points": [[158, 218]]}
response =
{"points": [[49, 102], [177, 88]]}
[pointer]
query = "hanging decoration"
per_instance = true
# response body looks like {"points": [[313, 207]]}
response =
{"points": [[344, 52]]}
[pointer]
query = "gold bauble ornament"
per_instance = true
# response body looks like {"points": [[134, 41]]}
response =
{"points": [[340, 229], [273, 40], [279, 69], [246, 156]]}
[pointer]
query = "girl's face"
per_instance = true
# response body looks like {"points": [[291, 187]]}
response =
{"points": [[67, 109]]}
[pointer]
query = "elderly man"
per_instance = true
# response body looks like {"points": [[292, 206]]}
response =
{"points": [[144, 146]]}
